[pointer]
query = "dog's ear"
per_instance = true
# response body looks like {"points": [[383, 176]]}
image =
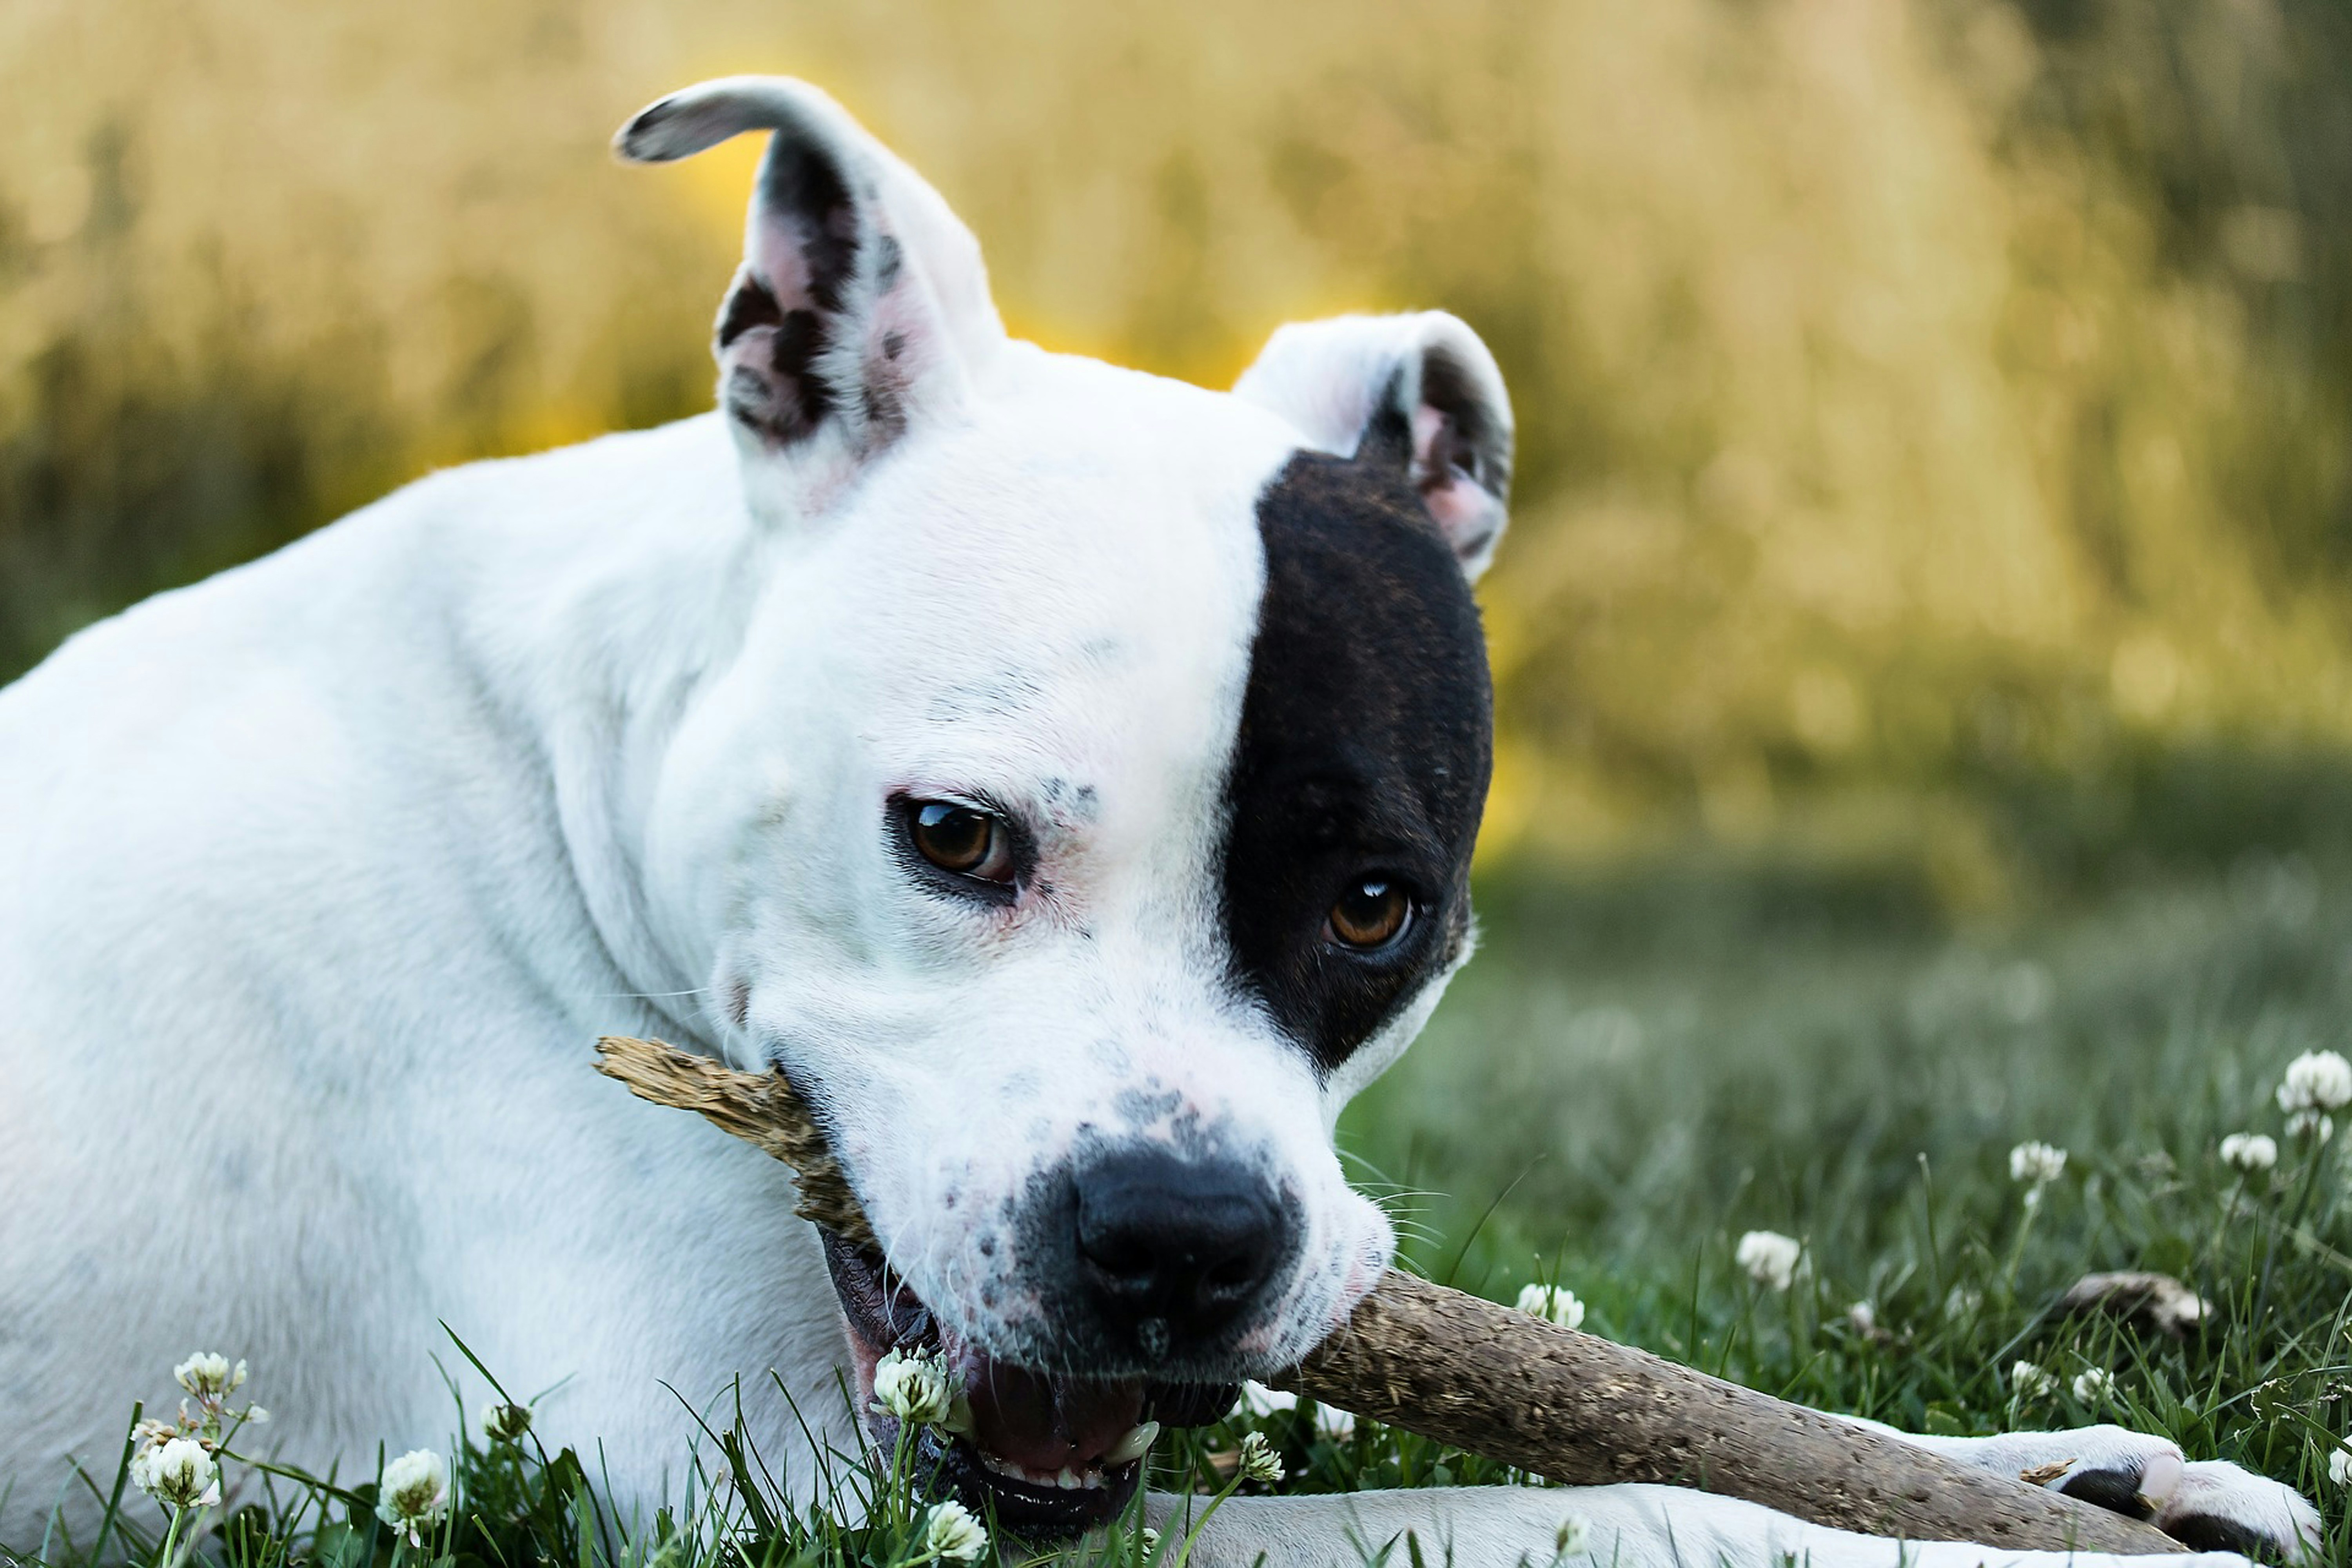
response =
{"points": [[861, 307], [1420, 391]]}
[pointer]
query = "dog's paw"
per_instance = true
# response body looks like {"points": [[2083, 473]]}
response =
{"points": [[2208, 1506]]}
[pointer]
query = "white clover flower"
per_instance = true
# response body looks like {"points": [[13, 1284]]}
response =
{"points": [[952, 1535], [2028, 1381], [1259, 1462], [1770, 1258], [179, 1473], [1552, 1303], [413, 1495], [2040, 1164], [142, 1458], [2096, 1387], [2316, 1125], [1572, 1537], [913, 1386], [1960, 1301], [209, 1376], [2250, 1151], [2339, 1463], [504, 1422], [2319, 1080]]}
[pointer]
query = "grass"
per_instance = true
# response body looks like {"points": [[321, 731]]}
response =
{"points": [[1636, 1071]]}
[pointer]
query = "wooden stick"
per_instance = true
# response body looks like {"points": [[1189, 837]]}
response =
{"points": [[761, 1109], [1570, 1407]]}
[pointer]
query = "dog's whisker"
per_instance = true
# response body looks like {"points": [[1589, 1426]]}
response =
{"points": [[641, 995]]}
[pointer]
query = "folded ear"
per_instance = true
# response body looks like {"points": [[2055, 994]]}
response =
{"points": [[861, 306], [1420, 391]]}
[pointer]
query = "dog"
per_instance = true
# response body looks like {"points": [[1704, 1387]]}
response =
{"points": [[1066, 775]]}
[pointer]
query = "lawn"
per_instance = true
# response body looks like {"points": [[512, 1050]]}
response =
{"points": [[1637, 1069]]}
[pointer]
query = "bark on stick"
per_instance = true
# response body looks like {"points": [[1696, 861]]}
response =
{"points": [[1570, 1407]]}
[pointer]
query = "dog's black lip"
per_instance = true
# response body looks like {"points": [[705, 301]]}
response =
{"points": [[868, 1301], [1039, 1513]]}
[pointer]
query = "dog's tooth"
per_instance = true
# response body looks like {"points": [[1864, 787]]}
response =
{"points": [[1068, 1479], [1132, 1447]]}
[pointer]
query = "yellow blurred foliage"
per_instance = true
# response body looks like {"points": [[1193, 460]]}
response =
{"points": [[1870, 442]]}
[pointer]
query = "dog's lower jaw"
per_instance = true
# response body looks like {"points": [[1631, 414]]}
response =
{"points": [[1013, 1498], [1046, 1455]]}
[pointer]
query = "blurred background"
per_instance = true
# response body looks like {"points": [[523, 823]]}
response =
{"points": [[1925, 680]]}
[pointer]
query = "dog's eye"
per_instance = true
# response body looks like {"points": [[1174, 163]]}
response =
{"points": [[958, 839], [1371, 914]]}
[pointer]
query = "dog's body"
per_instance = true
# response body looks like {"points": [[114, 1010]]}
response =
{"points": [[1067, 775]]}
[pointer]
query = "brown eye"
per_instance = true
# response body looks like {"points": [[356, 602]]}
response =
{"points": [[958, 839], [1371, 914]]}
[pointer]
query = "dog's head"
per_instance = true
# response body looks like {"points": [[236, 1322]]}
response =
{"points": [[1088, 813]]}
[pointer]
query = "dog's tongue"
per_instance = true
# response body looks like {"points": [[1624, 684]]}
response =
{"points": [[1047, 1424]]}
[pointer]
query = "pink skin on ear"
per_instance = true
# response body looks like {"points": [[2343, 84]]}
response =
{"points": [[1424, 379], [1465, 511]]}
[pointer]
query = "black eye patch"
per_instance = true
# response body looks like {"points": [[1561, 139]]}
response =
{"points": [[1365, 743]]}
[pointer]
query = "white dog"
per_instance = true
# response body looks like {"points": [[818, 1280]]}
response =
{"points": [[1069, 776]]}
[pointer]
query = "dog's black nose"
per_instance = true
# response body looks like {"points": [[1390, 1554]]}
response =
{"points": [[1174, 1250]]}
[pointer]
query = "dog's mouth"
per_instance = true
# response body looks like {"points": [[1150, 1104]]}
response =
{"points": [[1049, 1455]]}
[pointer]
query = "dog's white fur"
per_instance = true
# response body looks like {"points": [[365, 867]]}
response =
{"points": [[323, 874]]}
